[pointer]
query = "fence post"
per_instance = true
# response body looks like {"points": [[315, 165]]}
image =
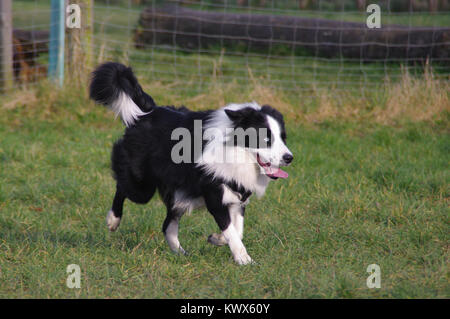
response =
{"points": [[56, 45], [89, 30], [6, 48], [79, 43]]}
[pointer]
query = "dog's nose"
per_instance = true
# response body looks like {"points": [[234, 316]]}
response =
{"points": [[287, 158]]}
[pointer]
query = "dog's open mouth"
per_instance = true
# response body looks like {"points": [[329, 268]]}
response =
{"points": [[271, 171]]}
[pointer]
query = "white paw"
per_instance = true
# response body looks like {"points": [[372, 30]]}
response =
{"points": [[112, 221], [243, 259], [181, 251], [217, 239], [178, 250]]}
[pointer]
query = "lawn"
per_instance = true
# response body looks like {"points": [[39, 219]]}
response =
{"points": [[370, 182], [365, 189]]}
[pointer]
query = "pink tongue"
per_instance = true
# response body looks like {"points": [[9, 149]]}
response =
{"points": [[280, 173], [275, 172]]}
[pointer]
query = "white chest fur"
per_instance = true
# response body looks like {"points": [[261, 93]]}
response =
{"points": [[243, 171]]}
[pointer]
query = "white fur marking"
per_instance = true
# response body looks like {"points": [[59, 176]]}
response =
{"points": [[274, 154], [237, 219], [237, 248], [246, 172], [171, 236], [186, 204], [124, 107], [112, 221], [230, 197]]}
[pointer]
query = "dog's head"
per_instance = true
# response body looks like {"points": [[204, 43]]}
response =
{"points": [[261, 131]]}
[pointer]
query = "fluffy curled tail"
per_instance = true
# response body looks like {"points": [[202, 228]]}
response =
{"points": [[114, 85]]}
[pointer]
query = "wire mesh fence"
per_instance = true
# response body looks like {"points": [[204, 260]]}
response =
{"points": [[31, 24], [290, 45]]}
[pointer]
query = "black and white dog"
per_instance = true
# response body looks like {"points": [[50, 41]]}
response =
{"points": [[149, 157]]}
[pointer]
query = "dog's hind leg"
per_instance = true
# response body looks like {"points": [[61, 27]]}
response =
{"points": [[170, 230], [115, 214]]}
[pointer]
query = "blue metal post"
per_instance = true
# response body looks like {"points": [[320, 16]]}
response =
{"points": [[56, 45]]}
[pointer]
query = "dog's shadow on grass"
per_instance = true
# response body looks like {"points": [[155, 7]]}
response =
{"points": [[126, 239]]}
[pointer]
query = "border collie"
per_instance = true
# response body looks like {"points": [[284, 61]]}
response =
{"points": [[143, 159]]}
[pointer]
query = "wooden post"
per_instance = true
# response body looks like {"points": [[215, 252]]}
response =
{"points": [[361, 5], [6, 48], [433, 5], [88, 32], [303, 4], [80, 49], [56, 45]]}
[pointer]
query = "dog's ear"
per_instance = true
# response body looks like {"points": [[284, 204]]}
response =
{"points": [[232, 115], [239, 115], [267, 109]]}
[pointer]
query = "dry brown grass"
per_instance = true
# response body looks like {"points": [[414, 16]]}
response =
{"points": [[19, 97], [412, 99]]}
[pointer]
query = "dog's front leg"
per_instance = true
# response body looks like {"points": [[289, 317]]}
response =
{"points": [[231, 234], [237, 248], [236, 212]]}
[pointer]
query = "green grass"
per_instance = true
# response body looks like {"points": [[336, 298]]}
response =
{"points": [[358, 193], [277, 67], [369, 184], [124, 14]]}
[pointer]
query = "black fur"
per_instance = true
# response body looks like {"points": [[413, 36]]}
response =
{"points": [[141, 159], [110, 78], [250, 118]]}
